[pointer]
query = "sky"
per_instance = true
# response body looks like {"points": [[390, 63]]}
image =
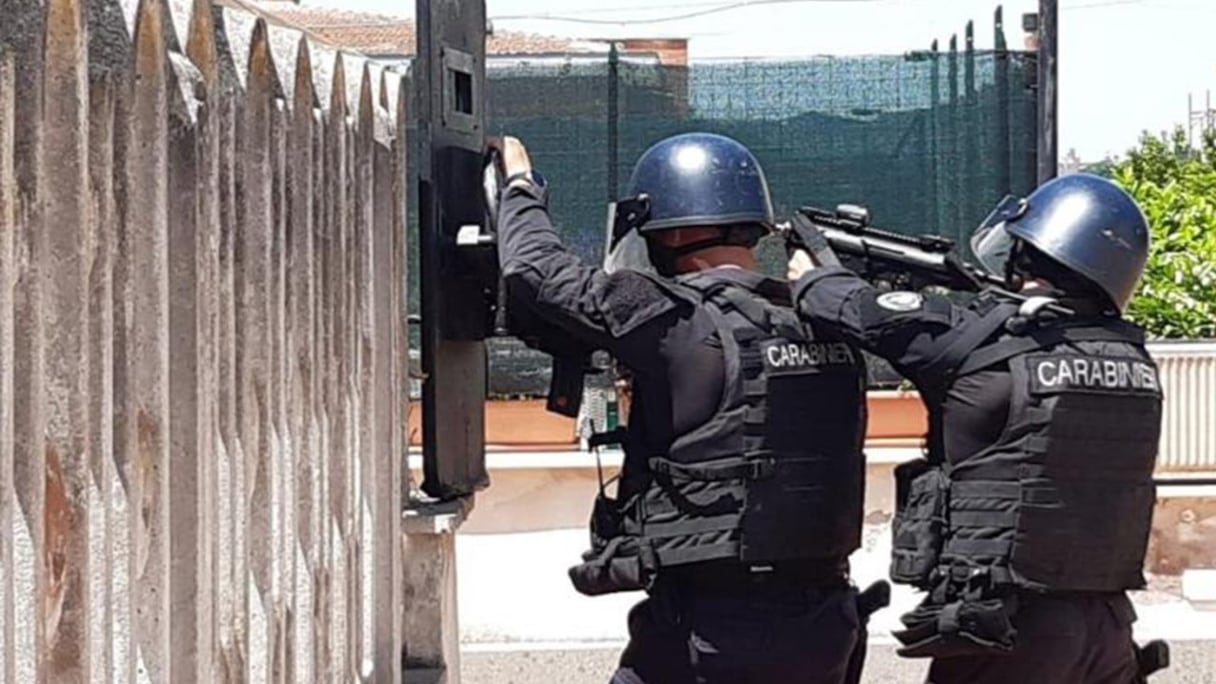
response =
{"points": [[1126, 66]]}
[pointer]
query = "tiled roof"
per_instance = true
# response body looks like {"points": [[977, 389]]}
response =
{"points": [[375, 34]]}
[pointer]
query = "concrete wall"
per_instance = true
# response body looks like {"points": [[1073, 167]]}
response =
{"points": [[201, 313]]}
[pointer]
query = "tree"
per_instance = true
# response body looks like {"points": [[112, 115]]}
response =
{"points": [[1175, 185], [1104, 168]]}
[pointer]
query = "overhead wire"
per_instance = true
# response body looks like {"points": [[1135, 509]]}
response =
{"points": [[1103, 3], [709, 9]]}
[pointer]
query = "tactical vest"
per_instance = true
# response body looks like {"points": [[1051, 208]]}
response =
{"points": [[1063, 500], [777, 473]]}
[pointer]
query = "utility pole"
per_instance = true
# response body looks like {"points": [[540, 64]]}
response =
{"points": [[1048, 82], [614, 120]]}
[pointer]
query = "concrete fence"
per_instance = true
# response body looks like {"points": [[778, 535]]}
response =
{"points": [[202, 349]]}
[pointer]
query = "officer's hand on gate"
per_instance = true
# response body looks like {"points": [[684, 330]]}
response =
{"points": [[515, 159], [801, 263]]}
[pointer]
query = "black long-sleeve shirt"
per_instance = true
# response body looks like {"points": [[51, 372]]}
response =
{"points": [[910, 331], [669, 345]]}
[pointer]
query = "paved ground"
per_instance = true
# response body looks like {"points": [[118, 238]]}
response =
{"points": [[1194, 663], [521, 622], [513, 588]]}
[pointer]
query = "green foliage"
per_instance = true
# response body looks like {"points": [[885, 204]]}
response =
{"points": [[1176, 187]]}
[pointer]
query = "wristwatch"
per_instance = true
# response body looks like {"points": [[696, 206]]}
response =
{"points": [[525, 178]]}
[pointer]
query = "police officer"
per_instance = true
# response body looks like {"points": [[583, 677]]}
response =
{"points": [[1029, 518], [740, 495]]}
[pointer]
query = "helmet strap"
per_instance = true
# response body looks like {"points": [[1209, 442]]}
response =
{"points": [[664, 257], [1015, 280]]}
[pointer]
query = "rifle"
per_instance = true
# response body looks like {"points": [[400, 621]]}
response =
{"points": [[894, 261], [888, 259]]}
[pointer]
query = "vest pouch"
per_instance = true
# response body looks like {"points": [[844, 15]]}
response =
{"points": [[922, 498], [617, 567], [790, 512], [607, 521], [613, 563]]}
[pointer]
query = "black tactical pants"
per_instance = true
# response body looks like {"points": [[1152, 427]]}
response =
{"points": [[1073, 639], [762, 635]]}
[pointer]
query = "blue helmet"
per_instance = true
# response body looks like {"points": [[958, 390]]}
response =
{"points": [[701, 179], [1085, 223]]}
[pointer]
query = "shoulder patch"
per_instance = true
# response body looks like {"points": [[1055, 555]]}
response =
{"points": [[900, 301]]}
